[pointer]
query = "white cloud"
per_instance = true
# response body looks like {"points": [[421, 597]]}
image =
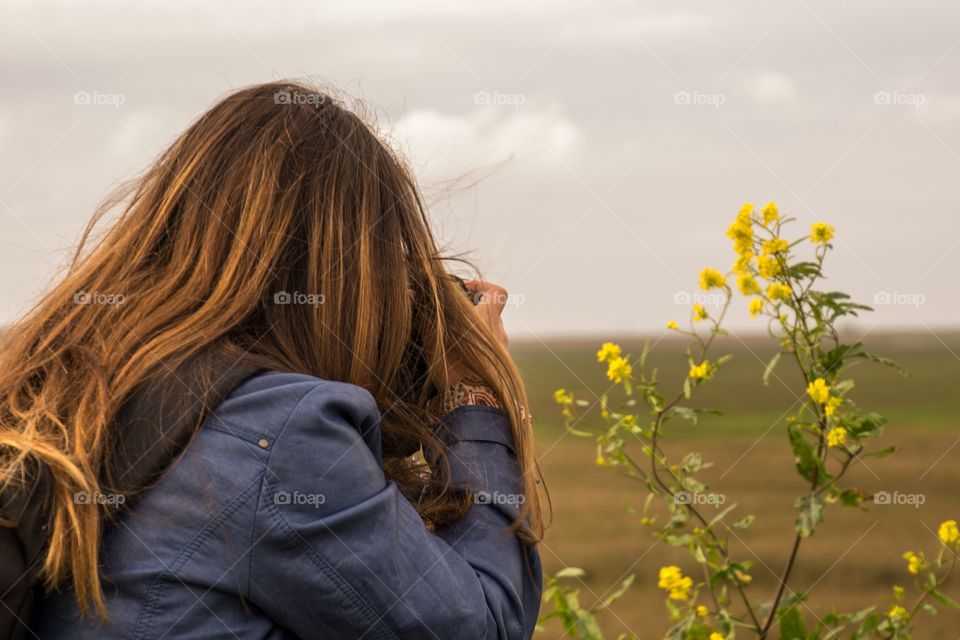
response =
{"points": [[772, 87], [442, 145]]}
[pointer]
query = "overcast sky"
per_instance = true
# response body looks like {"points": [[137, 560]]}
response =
{"points": [[616, 140]]}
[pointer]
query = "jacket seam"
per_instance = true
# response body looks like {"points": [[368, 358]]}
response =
{"points": [[156, 588], [334, 576], [264, 483]]}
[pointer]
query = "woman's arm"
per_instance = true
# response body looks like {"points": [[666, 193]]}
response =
{"points": [[338, 552]]}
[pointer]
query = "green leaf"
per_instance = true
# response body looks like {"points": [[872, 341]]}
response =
{"points": [[770, 366], [791, 625], [941, 597], [686, 413], [808, 464], [811, 514], [570, 572], [852, 497], [616, 595]]}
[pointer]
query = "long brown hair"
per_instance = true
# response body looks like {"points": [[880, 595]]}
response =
{"points": [[278, 229]]}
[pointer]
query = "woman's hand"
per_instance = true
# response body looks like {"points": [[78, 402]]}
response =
{"points": [[492, 301], [493, 298]]}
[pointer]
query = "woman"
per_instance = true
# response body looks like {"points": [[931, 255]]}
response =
{"points": [[259, 407]]}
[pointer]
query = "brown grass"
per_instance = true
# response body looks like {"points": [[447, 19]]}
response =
{"points": [[851, 562]]}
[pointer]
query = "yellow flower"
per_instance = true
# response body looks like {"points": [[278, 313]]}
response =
{"points": [[672, 325], [699, 313], [743, 578], [756, 307], [747, 284], [770, 213], [702, 611], [700, 371], [830, 407], [561, 396], [741, 231], [715, 636], [819, 391], [741, 265], [608, 351], [619, 369], [898, 592], [768, 266], [821, 233], [897, 612], [776, 245], [836, 437], [913, 562], [677, 585], [948, 533], [710, 278], [778, 291]]}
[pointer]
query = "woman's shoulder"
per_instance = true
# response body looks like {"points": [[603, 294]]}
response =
{"points": [[272, 406]]}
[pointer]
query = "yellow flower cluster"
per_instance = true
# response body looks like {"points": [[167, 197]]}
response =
{"points": [[699, 313], [836, 437], [768, 266], [672, 325], [700, 371], [608, 351], [677, 585], [819, 391], [565, 399], [618, 369], [948, 533], [775, 246], [830, 407], [914, 562], [778, 292], [747, 284], [821, 233], [710, 278], [741, 232], [770, 213], [897, 612], [756, 307]]}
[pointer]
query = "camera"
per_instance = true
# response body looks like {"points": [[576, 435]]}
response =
{"points": [[473, 296]]}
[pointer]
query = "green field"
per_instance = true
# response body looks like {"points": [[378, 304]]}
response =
{"points": [[852, 560]]}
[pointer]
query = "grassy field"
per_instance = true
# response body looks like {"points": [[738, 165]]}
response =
{"points": [[853, 559]]}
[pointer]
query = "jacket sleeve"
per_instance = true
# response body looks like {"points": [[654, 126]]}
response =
{"points": [[338, 552]]}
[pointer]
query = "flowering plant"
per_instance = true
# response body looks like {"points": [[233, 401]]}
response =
{"points": [[828, 434]]}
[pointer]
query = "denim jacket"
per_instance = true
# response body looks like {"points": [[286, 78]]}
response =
{"points": [[277, 522]]}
